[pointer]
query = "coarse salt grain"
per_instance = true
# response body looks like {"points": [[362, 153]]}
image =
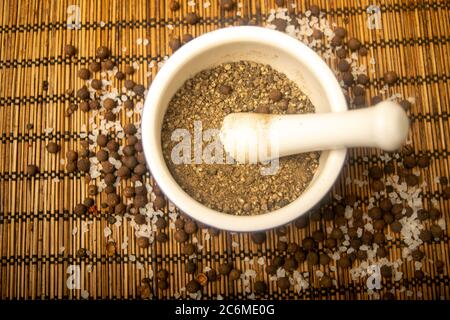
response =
{"points": [[107, 232], [84, 294]]}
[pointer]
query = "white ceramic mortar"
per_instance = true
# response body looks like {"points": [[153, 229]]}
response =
{"points": [[283, 53]]}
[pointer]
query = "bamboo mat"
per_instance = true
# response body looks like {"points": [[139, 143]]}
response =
{"points": [[37, 240]]}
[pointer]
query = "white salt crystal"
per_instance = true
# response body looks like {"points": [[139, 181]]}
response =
{"points": [[107, 232]]}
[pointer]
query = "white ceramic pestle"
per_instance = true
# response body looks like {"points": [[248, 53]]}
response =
{"points": [[252, 137]]}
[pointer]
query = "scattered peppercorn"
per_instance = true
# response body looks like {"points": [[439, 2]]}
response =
{"points": [[174, 44], [84, 73], [53, 147], [225, 268], [174, 5], [260, 287], [102, 52], [185, 38], [235, 274], [258, 237], [181, 236], [192, 18], [390, 77], [283, 283], [193, 286], [354, 44], [70, 50], [32, 170], [315, 10], [227, 5], [143, 242]]}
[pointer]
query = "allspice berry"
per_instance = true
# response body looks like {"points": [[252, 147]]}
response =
{"points": [[326, 282], [130, 129], [390, 77], [343, 65], [84, 106], [80, 209], [259, 287], [312, 258], [96, 84], [181, 236], [70, 50], [83, 93], [71, 155], [315, 10], [185, 38], [162, 274], [348, 78], [174, 44], [340, 32], [405, 104], [336, 41], [301, 222], [140, 169], [436, 231], [120, 75], [174, 5], [375, 172], [225, 268], [95, 66], [139, 89], [128, 104], [258, 237], [92, 190], [193, 286], [83, 165], [84, 73], [53, 147], [108, 64], [129, 84], [32, 170], [143, 242], [423, 161], [159, 203], [235, 274], [283, 283], [341, 53], [109, 103], [212, 275], [192, 18], [190, 227], [102, 52], [94, 105], [189, 249], [227, 5], [129, 70], [354, 44]]}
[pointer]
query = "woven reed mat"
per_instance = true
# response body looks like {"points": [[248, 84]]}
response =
{"points": [[41, 236]]}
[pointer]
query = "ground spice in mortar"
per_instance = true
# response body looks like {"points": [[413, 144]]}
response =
{"points": [[208, 97]]}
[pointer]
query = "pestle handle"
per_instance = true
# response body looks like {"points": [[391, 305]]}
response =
{"points": [[248, 137]]}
